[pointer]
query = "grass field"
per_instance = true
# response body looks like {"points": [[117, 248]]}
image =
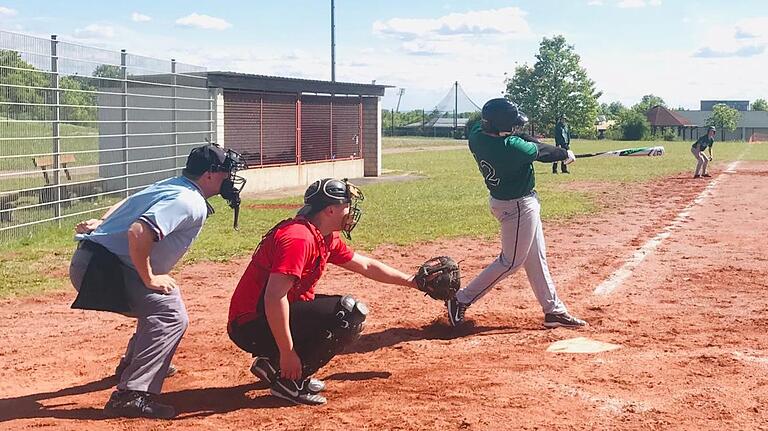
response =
{"points": [[450, 201]]}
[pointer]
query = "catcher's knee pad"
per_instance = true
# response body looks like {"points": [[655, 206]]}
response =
{"points": [[349, 317]]}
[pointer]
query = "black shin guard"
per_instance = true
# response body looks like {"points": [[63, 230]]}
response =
{"points": [[350, 314]]}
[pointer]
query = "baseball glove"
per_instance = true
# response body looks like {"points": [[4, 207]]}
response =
{"points": [[439, 278]]}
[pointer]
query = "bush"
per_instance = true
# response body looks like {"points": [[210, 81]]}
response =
{"points": [[670, 135], [633, 126]]}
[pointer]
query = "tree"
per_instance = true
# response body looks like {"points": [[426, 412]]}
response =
{"points": [[647, 102], [760, 105], [30, 92], [556, 85], [632, 125], [107, 71], [612, 110], [723, 118]]}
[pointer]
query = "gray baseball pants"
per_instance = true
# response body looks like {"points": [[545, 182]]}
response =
{"points": [[701, 159], [522, 245], [161, 323]]}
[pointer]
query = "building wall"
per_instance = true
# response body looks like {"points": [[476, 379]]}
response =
{"points": [[280, 177], [372, 136]]}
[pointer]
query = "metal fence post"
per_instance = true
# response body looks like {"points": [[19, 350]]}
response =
{"points": [[55, 132], [174, 125], [124, 118]]}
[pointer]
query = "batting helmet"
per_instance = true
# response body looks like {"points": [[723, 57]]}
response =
{"points": [[501, 115]]}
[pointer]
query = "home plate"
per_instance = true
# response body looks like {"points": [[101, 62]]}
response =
{"points": [[581, 345]]}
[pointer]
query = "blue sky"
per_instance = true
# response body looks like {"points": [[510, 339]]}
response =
{"points": [[681, 50]]}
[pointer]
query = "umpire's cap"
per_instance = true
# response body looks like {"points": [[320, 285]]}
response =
{"points": [[328, 191], [500, 115], [209, 157], [711, 129]]}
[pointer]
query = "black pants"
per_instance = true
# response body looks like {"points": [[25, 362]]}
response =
{"points": [[309, 321], [563, 166]]}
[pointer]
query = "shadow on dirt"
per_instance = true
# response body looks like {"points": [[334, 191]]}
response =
{"points": [[438, 330]]}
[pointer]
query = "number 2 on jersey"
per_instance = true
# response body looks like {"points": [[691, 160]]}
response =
{"points": [[489, 173]]}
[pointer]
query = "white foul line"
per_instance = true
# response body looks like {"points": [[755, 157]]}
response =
{"points": [[614, 280]]}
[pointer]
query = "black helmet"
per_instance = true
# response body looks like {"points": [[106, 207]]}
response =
{"points": [[330, 191], [711, 129], [500, 115]]}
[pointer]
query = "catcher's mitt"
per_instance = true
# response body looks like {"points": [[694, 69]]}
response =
{"points": [[439, 278]]}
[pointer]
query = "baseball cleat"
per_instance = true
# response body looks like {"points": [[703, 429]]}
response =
{"points": [[137, 404], [296, 391], [263, 370], [564, 320], [456, 311]]}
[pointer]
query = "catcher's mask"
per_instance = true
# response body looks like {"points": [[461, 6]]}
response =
{"points": [[330, 191], [502, 116], [212, 158]]}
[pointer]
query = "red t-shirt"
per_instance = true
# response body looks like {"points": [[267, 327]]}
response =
{"points": [[294, 247]]}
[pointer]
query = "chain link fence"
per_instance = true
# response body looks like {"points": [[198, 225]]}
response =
{"points": [[83, 127]]}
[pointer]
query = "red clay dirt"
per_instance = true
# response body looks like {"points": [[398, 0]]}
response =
{"points": [[691, 322]]}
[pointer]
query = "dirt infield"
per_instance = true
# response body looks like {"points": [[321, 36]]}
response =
{"points": [[691, 322]]}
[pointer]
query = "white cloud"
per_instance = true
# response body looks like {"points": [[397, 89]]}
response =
{"points": [[204, 22], [95, 31], [7, 12], [638, 3], [137, 17], [745, 38], [595, 3], [504, 22]]}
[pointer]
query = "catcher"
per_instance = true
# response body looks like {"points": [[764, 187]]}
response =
{"points": [[276, 315]]}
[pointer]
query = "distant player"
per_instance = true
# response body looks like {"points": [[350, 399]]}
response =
{"points": [[562, 140], [505, 161], [702, 161]]}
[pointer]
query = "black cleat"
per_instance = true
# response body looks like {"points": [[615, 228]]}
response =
{"points": [[456, 311], [296, 391], [564, 320], [137, 404], [263, 370]]}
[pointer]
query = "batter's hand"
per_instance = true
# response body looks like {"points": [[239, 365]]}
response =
{"points": [[162, 283], [87, 226], [571, 158], [290, 366]]}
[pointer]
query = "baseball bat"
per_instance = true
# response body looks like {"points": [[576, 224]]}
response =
{"points": [[628, 152]]}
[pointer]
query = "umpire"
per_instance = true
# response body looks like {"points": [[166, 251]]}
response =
{"points": [[122, 263], [562, 140]]}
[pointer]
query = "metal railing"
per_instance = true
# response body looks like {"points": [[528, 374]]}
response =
{"points": [[83, 127]]}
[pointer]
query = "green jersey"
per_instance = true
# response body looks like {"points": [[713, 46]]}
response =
{"points": [[505, 162]]}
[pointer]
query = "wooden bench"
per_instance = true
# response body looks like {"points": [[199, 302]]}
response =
{"points": [[46, 163]]}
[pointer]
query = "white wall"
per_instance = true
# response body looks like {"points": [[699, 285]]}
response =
{"points": [[280, 177]]}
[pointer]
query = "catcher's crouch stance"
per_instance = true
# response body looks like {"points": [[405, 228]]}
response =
{"points": [[274, 313]]}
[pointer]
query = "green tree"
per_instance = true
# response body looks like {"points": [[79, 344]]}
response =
{"points": [[77, 92], [611, 111], [760, 105], [723, 118], [107, 71], [20, 102], [631, 125], [647, 102], [556, 85]]}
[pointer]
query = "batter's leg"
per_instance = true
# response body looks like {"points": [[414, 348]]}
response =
{"points": [[537, 270], [517, 218]]}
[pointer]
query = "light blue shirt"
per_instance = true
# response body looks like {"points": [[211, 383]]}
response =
{"points": [[174, 208]]}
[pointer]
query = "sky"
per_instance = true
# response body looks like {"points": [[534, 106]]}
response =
{"points": [[681, 50]]}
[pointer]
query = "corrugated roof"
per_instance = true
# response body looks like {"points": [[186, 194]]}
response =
{"points": [[661, 116]]}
